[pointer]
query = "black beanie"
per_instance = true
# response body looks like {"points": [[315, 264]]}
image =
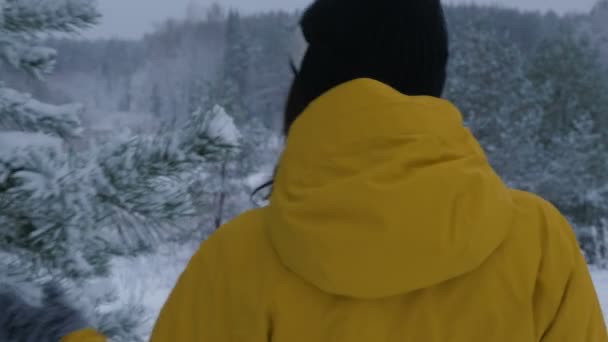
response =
{"points": [[402, 43]]}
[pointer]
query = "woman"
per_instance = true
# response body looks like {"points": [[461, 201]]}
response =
{"points": [[386, 222]]}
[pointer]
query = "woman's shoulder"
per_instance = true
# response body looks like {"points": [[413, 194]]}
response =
{"points": [[244, 233], [531, 204], [240, 247], [543, 220]]}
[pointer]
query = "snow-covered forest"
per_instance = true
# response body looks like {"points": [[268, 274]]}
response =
{"points": [[118, 157]]}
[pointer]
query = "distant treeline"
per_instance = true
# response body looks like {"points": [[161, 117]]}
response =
{"points": [[170, 70]]}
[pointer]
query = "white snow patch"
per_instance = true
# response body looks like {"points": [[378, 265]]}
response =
{"points": [[13, 141], [256, 179], [149, 279], [298, 47], [221, 126], [600, 278]]}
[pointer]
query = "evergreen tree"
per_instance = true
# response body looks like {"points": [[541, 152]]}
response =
{"points": [[578, 184], [568, 67], [540, 122], [32, 154], [489, 85], [233, 81], [574, 125], [599, 28], [20, 23], [65, 212], [269, 70], [236, 55]]}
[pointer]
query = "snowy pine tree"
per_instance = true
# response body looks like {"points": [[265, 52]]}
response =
{"points": [[599, 28], [32, 152], [488, 82], [574, 124], [576, 181], [568, 66], [237, 53], [65, 212], [21, 22]]}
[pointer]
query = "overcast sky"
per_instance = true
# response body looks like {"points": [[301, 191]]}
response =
{"points": [[132, 18]]}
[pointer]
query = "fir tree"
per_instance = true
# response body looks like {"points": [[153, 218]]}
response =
{"points": [[65, 212], [32, 155], [233, 81], [236, 54], [568, 67], [489, 85]]}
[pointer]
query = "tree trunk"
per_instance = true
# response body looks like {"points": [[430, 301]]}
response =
{"points": [[219, 216]]}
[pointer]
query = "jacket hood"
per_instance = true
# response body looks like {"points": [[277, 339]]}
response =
{"points": [[380, 194]]}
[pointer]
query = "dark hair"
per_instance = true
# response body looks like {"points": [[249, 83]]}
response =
{"points": [[401, 43]]}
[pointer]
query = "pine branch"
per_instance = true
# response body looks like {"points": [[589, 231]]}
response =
{"points": [[56, 204], [21, 112], [23, 53]]}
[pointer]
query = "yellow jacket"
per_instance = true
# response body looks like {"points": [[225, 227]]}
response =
{"points": [[387, 224]]}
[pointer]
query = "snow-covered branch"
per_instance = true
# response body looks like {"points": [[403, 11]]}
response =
{"points": [[22, 53], [20, 111], [58, 203], [37, 16]]}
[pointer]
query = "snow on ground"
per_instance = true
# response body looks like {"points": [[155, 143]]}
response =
{"points": [[600, 278], [152, 276], [149, 279]]}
